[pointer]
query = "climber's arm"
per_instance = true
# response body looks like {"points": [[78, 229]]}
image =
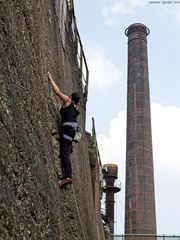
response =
{"points": [[58, 92]]}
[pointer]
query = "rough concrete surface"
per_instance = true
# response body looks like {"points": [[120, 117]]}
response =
{"points": [[33, 41]]}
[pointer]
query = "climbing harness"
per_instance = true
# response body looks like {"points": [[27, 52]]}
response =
{"points": [[77, 129], [71, 124], [67, 137]]}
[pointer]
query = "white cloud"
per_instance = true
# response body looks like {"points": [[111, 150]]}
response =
{"points": [[116, 10], [112, 13], [103, 72], [173, 11], [166, 134], [167, 10], [112, 147]]}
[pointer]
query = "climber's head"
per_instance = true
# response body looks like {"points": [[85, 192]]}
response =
{"points": [[75, 97]]}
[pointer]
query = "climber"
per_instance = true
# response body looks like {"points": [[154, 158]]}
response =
{"points": [[69, 113]]}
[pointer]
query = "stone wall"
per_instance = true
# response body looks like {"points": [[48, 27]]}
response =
{"points": [[35, 38]]}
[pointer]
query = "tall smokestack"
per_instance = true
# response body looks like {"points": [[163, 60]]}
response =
{"points": [[140, 200]]}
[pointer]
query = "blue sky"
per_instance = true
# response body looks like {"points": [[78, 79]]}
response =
{"points": [[101, 25]]}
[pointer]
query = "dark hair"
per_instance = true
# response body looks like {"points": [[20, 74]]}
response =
{"points": [[75, 97]]}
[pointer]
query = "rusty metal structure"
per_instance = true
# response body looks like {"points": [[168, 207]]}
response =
{"points": [[140, 198], [111, 187]]}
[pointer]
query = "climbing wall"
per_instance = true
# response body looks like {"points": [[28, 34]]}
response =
{"points": [[35, 38]]}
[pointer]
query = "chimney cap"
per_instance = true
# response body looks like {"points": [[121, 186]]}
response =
{"points": [[137, 27], [111, 170]]}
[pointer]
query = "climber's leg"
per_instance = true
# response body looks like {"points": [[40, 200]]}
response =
{"points": [[65, 152], [64, 182]]}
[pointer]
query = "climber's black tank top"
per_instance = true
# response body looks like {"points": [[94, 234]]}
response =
{"points": [[68, 114]]}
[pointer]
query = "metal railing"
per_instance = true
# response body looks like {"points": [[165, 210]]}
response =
{"points": [[82, 64], [67, 22], [144, 237], [116, 184]]}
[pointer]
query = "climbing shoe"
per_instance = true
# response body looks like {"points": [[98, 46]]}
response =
{"points": [[64, 182]]}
